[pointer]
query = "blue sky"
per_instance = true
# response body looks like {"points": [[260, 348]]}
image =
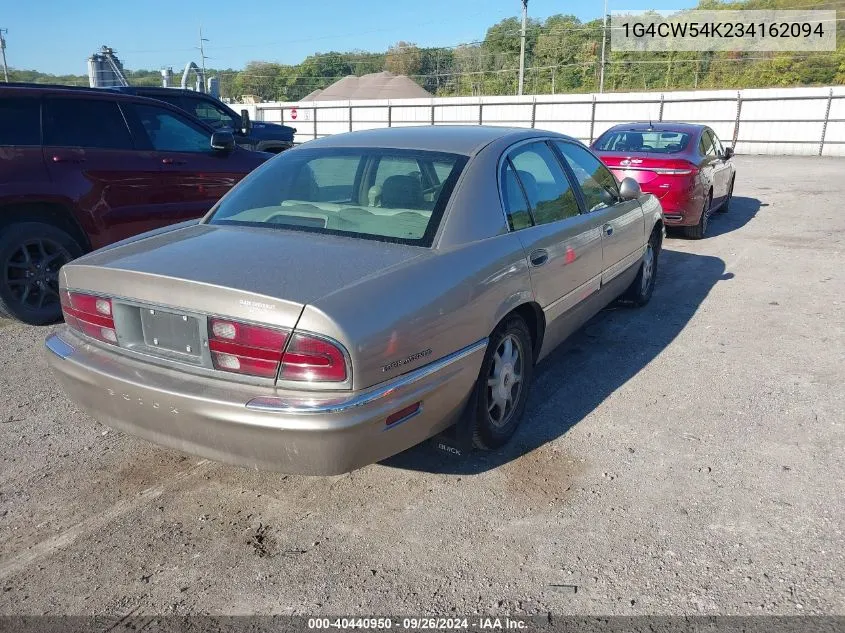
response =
{"points": [[57, 36]]}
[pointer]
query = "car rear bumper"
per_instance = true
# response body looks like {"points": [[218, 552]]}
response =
{"points": [[310, 433]]}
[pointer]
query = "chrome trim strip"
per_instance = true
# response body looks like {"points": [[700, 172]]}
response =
{"points": [[59, 347], [272, 404]]}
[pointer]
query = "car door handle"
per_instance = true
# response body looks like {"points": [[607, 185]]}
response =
{"points": [[172, 161], [607, 229], [539, 257], [57, 158]]}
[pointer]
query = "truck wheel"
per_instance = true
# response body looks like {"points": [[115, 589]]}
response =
{"points": [[31, 254], [503, 384]]}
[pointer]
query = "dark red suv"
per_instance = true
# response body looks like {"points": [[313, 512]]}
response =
{"points": [[82, 168]]}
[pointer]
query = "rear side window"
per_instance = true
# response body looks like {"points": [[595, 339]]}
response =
{"points": [[20, 121], [92, 123], [516, 206], [717, 144], [546, 186]]}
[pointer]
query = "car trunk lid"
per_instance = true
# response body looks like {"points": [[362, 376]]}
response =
{"points": [[165, 287], [648, 170]]}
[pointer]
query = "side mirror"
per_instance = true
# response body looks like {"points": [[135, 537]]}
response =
{"points": [[629, 189], [246, 125], [729, 151], [222, 141]]}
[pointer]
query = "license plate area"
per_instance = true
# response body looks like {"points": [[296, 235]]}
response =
{"points": [[171, 332]]}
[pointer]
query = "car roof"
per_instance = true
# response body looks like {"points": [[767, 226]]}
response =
{"points": [[452, 139], [59, 88], [657, 126], [157, 90], [116, 95], [25, 85]]}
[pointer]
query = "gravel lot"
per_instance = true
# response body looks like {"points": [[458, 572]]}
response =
{"points": [[682, 458]]}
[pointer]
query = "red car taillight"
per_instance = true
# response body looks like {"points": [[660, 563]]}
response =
{"points": [[245, 349], [255, 350], [313, 359], [90, 315], [675, 168]]}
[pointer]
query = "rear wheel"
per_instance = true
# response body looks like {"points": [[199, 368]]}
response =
{"points": [[697, 231], [31, 254], [503, 383], [726, 205]]}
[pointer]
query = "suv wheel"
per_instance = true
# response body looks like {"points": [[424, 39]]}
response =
{"points": [[31, 254]]}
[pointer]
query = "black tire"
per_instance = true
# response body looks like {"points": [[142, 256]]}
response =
{"points": [[640, 291], [494, 425], [31, 254], [726, 205], [697, 231]]}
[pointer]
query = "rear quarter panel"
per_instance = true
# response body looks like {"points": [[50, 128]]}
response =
{"points": [[425, 310]]}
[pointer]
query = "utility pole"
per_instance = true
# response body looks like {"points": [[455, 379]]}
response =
{"points": [[3, 51], [522, 46], [603, 44], [202, 55]]}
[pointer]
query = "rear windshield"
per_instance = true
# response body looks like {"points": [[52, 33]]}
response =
{"points": [[642, 141], [382, 194]]}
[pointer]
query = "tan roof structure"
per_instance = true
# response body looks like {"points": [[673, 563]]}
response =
{"points": [[383, 85]]}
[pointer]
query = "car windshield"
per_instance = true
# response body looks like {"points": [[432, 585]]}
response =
{"points": [[662, 142], [383, 194]]}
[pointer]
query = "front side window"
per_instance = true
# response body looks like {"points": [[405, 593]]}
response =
{"points": [[545, 185], [169, 132], [208, 113], [598, 186], [717, 144], [89, 123], [370, 193], [20, 121]]}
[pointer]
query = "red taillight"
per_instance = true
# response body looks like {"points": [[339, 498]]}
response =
{"points": [[675, 168], [90, 315], [245, 349], [257, 351], [313, 359]]}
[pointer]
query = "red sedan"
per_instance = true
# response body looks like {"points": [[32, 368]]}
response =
{"points": [[684, 165]]}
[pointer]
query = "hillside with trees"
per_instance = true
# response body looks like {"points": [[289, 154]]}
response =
{"points": [[563, 55]]}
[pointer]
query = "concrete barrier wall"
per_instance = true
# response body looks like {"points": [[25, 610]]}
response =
{"points": [[785, 121]]}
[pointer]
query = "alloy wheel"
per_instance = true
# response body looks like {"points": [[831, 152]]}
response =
{"points": [[648, 269], [31, 272], [504, 382]]}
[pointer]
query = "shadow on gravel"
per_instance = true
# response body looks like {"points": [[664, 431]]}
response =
{"points": [[598, 359]]}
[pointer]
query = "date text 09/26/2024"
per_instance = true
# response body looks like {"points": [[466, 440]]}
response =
{"points": [[419, 624]]}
